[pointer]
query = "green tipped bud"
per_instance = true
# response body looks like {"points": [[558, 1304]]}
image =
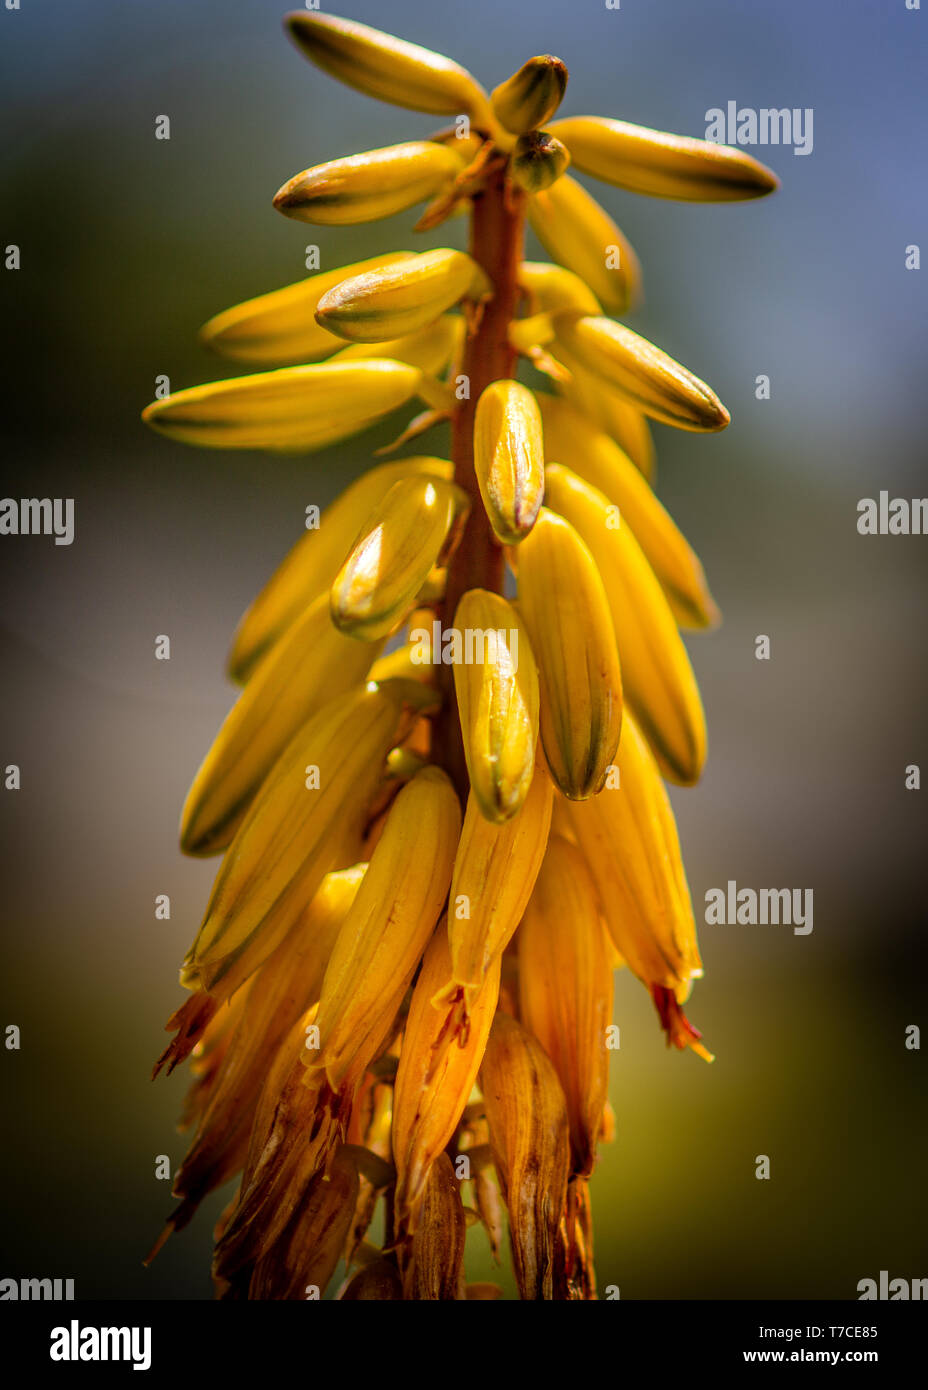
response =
{"points": [[531, 96], [577, 232], [538, 160]]}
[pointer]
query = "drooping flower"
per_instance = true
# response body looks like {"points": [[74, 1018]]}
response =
{"points": [[439, 799]]}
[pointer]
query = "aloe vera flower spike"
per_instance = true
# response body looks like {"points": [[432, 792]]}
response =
{"points": [[439, 797]]}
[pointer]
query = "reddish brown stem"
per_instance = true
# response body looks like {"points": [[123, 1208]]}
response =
{"points": [[497, 232]]}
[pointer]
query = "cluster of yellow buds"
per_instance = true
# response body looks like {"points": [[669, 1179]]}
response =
{"points": [[439, 795]]}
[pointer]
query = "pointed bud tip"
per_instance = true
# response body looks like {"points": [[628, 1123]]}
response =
{"points": [[197, 841], [554, 69], [283, 198], [156, 415], [305, 29], [765, 180], [718, 416]]}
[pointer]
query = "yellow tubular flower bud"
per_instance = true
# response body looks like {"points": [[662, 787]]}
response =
{"points": [[565, 989], [323, 781], [487, 897], [402, 297], [552, 288], [658, 678], [391, 560], [277, 329], [509, 458], [295, 408], [531, 96], [402, 663], [529, 1135], [621, 420], [577, 232], [389, 924], [435, 1257], [386, 67], [571, 439], [538, 160], [651, 380], [346, 848], [315, 560], [311, 1246], [566, 611], [531, 335], [496, 684], [366, 187], [629, 839], [661, 164], [312, 664], [429, 348], [439, 1061]]}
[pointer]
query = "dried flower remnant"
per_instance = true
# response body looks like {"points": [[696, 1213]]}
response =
{"points": [[402, 984]]}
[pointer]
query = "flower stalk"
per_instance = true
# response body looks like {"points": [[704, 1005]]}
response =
{"points": [[497, 234]]}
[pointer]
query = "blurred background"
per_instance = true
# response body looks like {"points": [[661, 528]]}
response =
{"points": [[127, 245]]}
